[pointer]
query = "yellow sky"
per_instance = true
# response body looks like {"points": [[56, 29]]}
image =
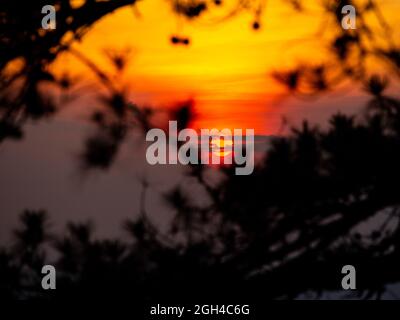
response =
{"points": [[225, 68]]}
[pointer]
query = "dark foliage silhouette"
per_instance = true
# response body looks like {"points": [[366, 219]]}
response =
{"points": [[285, 230]]}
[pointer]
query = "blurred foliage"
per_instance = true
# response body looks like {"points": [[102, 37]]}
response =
{"points": [[286, 229]]}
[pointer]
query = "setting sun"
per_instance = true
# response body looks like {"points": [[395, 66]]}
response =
{"points": [[221, 146]]}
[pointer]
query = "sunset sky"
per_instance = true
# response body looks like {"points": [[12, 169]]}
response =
{"points": [[226, 68]]}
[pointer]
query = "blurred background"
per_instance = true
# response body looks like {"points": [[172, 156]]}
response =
{"points": [[76, 102]]}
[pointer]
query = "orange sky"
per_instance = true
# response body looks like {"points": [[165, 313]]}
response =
{"points": [[226, 67]]}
